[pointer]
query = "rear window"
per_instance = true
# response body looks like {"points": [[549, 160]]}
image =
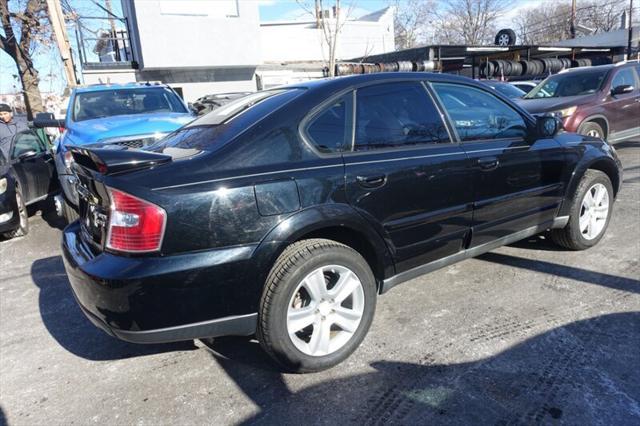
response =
{"points": [[233, 108], [213, 130]]}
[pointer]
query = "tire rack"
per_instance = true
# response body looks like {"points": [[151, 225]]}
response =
{"points": [[466, 60]]}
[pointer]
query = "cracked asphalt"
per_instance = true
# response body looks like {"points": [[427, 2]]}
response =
{"points": [[527, 334]]}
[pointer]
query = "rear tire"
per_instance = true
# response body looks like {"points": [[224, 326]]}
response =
{"points": [[23, 227], [317, 305], [589, 214]]}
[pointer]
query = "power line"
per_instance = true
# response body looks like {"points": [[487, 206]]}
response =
{"points": [[566, 15]]}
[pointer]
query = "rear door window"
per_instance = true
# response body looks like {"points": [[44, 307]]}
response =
{"points": [[479, 115], [394, 115], [330, 130]]}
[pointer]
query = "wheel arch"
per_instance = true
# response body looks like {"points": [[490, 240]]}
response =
{"points": [[337, 222], [604, 164]]}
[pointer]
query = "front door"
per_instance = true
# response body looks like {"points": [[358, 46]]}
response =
{"points": [[405, 174], [517, 180], [624, 108], [33, 164]]}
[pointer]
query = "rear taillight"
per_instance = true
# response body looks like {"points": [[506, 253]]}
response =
{"points": [[135, 225]]}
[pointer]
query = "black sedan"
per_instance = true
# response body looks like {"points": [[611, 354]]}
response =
{"points": [[287, 212], [27, 177]]}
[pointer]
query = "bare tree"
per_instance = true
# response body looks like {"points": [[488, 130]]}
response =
{"points": [[24, 30], [550, 21], [330, 18], [544, 24], [413, 21], [469, 21]]}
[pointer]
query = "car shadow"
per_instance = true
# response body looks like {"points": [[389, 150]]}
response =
{"points": [[564, 271], [66, 323], [49, 215], [578, 373]]}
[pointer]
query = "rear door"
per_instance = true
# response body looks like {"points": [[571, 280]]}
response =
{"points": [[517, 180], [405, 175]]}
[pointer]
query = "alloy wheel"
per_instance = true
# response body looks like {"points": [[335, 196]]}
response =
{"points": [[325, 310], [594, 211], [503, 40], [593, 133]]}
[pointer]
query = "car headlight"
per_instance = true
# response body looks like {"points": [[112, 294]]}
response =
{"points": [[68, 159], [563, 113], [3, 185]]}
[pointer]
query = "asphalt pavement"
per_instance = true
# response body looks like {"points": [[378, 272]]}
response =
{"points": [[527, 334]]}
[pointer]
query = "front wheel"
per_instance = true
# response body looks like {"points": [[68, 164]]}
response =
{"points": [[23, 226], [591, 129], [317, 305], [589, 214]]}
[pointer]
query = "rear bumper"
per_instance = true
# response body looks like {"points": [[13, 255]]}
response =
{"points": [[162, 299]]}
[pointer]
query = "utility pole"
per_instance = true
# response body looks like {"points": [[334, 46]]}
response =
{"points": [[572, 27], [630, 29], [62, 39]]}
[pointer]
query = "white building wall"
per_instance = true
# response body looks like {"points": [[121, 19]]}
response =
{"points": [[195, 33], [281, 42]]}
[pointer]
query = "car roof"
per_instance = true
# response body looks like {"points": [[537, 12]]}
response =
{"points": [[344, 82], [117, 86]]}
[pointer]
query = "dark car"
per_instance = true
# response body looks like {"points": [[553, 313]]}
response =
{"points": [[507, 89], [285, 213], [601, 101], [27, 177]]}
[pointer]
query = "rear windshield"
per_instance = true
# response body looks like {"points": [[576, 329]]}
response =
{"points": [[109, 103], [212, 130], [569, 84]]}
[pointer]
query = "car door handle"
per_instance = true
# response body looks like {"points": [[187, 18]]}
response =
{"points": [[488, 163], [373, 181]]}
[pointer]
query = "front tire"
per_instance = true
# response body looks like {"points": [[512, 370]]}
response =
{"points": [[23, 227], [591, 129], [317, 305], [589, 214]]}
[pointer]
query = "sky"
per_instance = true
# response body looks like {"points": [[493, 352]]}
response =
{"points": [[47, 61]]}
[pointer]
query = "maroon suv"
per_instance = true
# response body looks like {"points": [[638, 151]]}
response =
{"points": [[601, 101]]}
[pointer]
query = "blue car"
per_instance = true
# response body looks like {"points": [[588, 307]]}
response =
{"points": [[131, 115]]}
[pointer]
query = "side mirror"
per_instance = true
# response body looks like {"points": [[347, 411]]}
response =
{"points": [[547, 126], [47, 119], [27, 155], [622, 89]]}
